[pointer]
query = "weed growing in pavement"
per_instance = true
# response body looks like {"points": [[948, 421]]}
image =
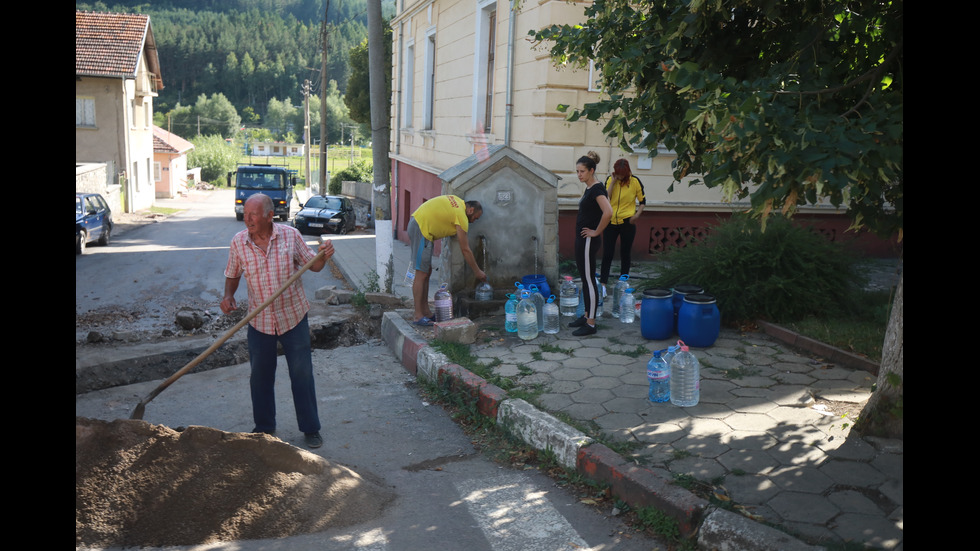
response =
{"points": [[555, 349], [358, 300], [373, 282], [636, 352], [739, 372]]}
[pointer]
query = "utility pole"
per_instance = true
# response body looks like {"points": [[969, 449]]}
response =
{"points": [[380, 138], [324, 43], [306, 132]]}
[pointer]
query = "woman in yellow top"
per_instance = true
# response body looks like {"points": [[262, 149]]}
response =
{"points": [[627, 199]]}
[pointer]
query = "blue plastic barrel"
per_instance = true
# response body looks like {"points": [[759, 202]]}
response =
{"points": [[537, 279], [699, 321], [681, 291], [657, 314]]}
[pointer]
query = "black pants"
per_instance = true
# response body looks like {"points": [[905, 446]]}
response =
{"points": [[625, 232], [586, 251]]}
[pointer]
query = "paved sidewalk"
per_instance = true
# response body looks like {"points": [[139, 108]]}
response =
{"points": [[767, 436]]}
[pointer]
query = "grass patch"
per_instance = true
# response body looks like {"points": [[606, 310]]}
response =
{"points": [[862, 333], [166, 211]]}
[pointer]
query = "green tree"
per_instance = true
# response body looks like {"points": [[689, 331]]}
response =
{"points": [[785, 103], [358, 96], [215, 156], [279, 116], [216, 115]]}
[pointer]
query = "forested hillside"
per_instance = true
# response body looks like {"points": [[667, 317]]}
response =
{"points": [[251, 51]]}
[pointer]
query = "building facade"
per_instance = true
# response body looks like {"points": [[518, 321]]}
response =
{"points": [[117, 75], [466, 75]]}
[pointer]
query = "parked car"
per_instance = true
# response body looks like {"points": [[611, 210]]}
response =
{"points": [[93, 220], [325, 213]]}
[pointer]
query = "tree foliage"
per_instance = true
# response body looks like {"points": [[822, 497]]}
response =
{"points": [[215, 156], [781, 102], [358, 96]]}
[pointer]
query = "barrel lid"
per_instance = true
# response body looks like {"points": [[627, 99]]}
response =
{"points": [[700, 299], [685, 289], [657, 293]]}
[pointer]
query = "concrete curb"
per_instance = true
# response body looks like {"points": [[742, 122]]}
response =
{"points": [[833, 354], [636, 485]]}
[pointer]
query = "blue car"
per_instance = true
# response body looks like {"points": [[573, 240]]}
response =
{"points": [[325, 213], [93, 220]]}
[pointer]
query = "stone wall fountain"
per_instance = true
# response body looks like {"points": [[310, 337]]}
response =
{"points": [[518, 232]]}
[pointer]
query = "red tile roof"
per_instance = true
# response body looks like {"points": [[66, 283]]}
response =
{"points": [[166, 142], [110, 44]]}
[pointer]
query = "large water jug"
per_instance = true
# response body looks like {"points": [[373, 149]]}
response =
{"points": [[580, 309], [602, 295], [627, 306], [551, 316], [621, 286], [699, 321], [510, 313], [685, 378], [657, 314], [484, 291], [444, 303], [568, 301], [658, 373], [539, 301], [527, 318]]}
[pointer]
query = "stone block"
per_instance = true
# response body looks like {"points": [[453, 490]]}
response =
{"points": [[460, 330]]}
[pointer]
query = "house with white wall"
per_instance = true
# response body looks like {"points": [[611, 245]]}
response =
{"points": [[117, 75], [278, 149], [466, 75]]}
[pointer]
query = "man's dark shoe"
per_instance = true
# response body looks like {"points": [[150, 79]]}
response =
{"points": [[313, 440], [578, 323], [269, 432], [584, 330]]}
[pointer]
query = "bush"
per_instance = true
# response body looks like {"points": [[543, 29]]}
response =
{"points": [[359, 171], [781, 274]]}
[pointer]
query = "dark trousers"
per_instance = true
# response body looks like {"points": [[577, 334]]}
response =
{"points": [[586, 250], [625, 232], [262, 355]]}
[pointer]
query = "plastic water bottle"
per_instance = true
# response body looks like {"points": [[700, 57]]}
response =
{"points": [[510, 314], [484, 291], [669, 354], [602, 294], [444, 303], [527, 318], [685, 378], [551, 316], [539, 301], [621, 286], [410, 275], [658, 372], [627, 306], [568, 300]]}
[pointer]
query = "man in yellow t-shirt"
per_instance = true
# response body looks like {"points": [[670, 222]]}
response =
{"points": [[437, 218]]}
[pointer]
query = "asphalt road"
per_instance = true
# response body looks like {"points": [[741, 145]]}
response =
{"points": [[140, 280]]}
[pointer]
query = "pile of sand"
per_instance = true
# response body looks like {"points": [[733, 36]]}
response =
{"points": [[142, 484]]}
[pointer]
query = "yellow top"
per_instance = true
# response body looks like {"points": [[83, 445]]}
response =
{"points": [[623, 198], [439, 216]]}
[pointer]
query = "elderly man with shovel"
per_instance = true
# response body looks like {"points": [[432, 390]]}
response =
{"points": [[269, 255]]}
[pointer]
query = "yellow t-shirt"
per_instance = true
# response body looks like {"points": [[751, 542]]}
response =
{"points": [[623, 198], [439, 216]]}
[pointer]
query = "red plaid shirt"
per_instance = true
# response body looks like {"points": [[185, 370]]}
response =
{"points": [[266, 271]]}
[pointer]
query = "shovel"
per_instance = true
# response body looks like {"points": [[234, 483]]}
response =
{"points": [[141, 407]]}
